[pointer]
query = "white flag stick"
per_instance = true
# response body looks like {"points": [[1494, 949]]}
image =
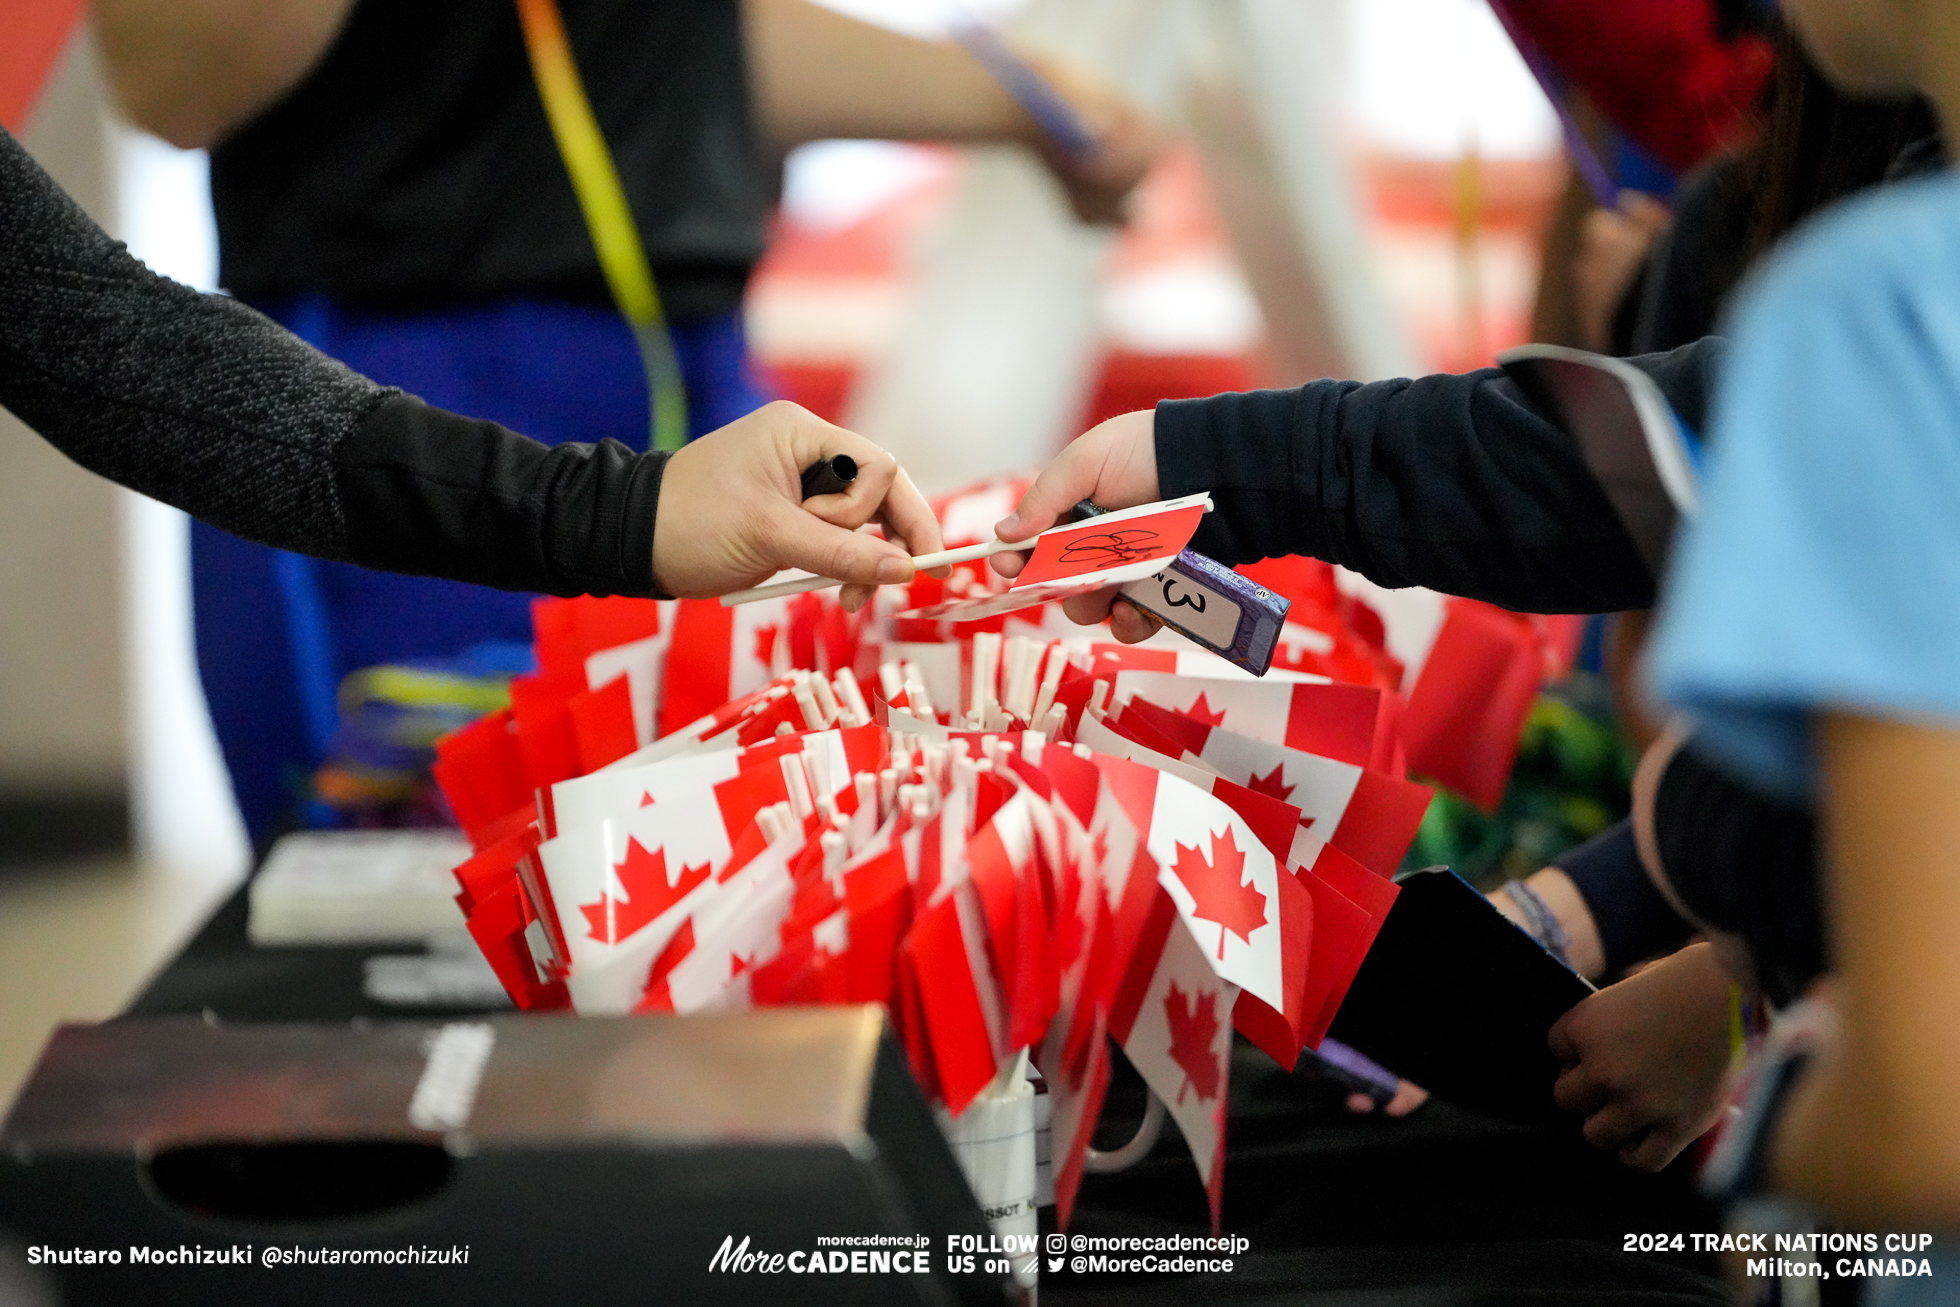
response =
{"points": [[805, 584], [965, 554]]}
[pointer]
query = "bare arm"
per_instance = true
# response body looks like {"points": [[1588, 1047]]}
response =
{"points": [[1870, 1133], [1584, 949], [192, 70], [816, 74]]}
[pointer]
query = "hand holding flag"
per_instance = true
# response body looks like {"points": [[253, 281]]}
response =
{"points": [[732, 511]]}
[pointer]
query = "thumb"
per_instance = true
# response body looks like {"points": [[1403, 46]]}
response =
{"points": [[800, 539], [1063, 484]]}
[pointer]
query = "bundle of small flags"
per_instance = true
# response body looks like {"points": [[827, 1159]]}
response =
{"points": [[1012, 836]]}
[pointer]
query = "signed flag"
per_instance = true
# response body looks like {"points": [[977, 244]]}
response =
{"points": [[1103, 552]]}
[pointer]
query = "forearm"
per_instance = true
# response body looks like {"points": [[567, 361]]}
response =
{"points": [[1870, 1134], [191, 70], [433, 494], [199, 402], [1584, 950], [816, 74], [1453, 482], [1630, 919]]}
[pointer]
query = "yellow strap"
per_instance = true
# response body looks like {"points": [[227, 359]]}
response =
{"points": [[609, 220], [416, 687]]}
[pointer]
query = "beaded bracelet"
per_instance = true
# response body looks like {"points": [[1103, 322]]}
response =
{"points": [[1541, 923]]}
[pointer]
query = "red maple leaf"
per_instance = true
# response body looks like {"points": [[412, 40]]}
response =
{"points": [[1272, 784], [1204, 712], [643, 877], [1217, 892], [765, 645], [1193, 1020]]}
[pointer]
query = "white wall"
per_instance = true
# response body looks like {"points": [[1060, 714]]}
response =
{"points": [[182, 808], [98, 692], [62, 700]]}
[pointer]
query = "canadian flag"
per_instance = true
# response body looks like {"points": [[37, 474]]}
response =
{"points": [[720, 654], [681, 783], [1371, 816], [1472, 672], [1105, 888], [1279, 1029], [615, 912], [1173, 1016], [1011, 879], [1351, 723], [1073, 559], [946, 952], [948, 958], [1350, 903], [607, 641], [1222, 878], [498, 914], [1159, 654], [810, 765], [736, 928], [621, 879], [482, 774]]}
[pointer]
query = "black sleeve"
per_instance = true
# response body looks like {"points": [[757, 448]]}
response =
{"points": [[199, 402], [1744, 863], [1688, 275], [434, 494], [1453, 482], [1634, 921]]}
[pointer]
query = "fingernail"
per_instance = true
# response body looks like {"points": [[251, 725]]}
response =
{"points": [[1007, 526], [893, 570]]}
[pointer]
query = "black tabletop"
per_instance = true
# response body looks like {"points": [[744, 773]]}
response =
{"points": [[1442, 1207]]}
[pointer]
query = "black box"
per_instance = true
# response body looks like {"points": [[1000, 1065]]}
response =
{"points": [[570, 1161]]}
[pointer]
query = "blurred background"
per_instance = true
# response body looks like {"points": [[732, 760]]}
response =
{"points": [[1358, 188]]}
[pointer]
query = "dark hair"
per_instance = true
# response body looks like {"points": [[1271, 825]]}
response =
{"points": [[1815, 147], [1818, 145]]}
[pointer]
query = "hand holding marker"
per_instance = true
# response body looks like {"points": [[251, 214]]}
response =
{"points": [[829, 476], [1206, 603]]}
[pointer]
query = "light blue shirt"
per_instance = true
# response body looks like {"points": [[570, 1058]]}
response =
{"points": [[1824, 569]]}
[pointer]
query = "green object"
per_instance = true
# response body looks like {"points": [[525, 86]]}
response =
{"points": [[1570, 782]]}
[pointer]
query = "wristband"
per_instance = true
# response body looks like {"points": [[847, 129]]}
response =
{"points": [[1541, 923]]}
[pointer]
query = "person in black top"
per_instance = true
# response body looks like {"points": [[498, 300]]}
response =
{"points": [[386, 185], [200, 402], [387, 154]]}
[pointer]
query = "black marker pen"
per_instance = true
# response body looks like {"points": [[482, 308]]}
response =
{"points": [[829, 476]]}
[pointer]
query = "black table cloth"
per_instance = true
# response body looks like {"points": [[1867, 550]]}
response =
{"points": [[1441, 1209]]}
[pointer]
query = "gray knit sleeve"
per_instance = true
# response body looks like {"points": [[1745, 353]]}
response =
{"points": [[191, 399]]}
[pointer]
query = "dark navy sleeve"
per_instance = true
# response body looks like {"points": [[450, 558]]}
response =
{"points": [[1455, 482], [1633, 919]]}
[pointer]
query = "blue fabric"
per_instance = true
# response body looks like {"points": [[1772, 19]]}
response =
{"points": [[1638, 170], [1824, 569], [276, 632], [1940, 1289]]}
